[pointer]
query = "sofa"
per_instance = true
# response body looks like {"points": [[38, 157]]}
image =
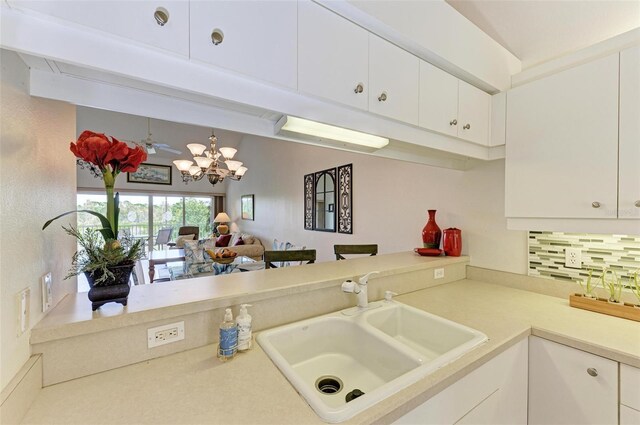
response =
{"points": [[252, 247]]}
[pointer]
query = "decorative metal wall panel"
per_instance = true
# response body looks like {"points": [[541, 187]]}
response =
{"points": [[345, 199], [308, 201]]}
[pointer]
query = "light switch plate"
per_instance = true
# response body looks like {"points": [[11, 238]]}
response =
{"points": [[438, 273], [24, 297], [45, 287]]}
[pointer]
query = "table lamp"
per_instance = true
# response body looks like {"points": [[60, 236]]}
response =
{"points": [[222, 218]]}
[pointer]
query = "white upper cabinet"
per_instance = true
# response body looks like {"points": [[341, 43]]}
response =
{"points": [[333, 56], [474, 110], [438, 100], [453, 107], [393, 81], [562, 144], [629, 202], [256, 38], [130, 19]]}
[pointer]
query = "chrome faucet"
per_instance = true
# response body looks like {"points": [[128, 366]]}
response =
{"points": [[360, 289]]}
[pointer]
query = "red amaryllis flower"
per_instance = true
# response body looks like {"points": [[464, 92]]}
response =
{"points": [[117, 152], [91, 147], [135, 157]]}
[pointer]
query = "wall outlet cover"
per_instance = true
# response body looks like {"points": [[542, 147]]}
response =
{"points": [[165, 334], [573, 258], [438, 273]]}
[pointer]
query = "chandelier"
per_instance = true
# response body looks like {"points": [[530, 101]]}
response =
{"points": [[209, 163]]}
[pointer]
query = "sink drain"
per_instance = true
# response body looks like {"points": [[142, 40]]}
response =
{"points": [[329, 384]]}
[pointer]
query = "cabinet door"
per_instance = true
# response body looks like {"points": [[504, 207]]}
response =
{"points": [[629, 416], [561, 389], [438, 100], [494, 393], [393, 81], [474, 107], [629, 203], [562, 144], [259, 37], [130, 19], [333, 56]]}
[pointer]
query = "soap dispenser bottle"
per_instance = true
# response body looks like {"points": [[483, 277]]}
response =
{"points": [[244, 328], [228, 345]]}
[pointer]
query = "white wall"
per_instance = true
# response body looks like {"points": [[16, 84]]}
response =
{"points": [[134, 128], [37, 180], [390, 202]]}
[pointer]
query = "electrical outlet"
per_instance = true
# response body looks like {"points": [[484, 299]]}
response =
{"points": [[573, 258], [165, 334], [45, 288], [24, 308], [438, 273]]}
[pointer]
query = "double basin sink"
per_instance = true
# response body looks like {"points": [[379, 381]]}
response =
{"points": [[365, 356]]}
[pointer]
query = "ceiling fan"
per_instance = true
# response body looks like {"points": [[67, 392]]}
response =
{"points": [[150, 146]]}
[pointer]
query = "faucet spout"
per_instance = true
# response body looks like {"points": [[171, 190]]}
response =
{"points": [[360, 289]]}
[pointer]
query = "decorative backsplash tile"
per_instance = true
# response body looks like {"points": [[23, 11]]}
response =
{"points": [[617, 252]]}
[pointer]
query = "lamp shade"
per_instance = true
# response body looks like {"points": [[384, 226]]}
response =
{"points": [[241, 171], [222, 218], [228, 153], [196, 148], [183, 164], [233, 165], [203, 161]]}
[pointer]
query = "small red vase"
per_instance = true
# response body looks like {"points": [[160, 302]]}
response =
{"points": [[431, 233], [452, 242]]}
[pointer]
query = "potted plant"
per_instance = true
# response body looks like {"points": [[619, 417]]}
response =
{"points": [[634, 283], [588, 287], [613, 286], [104, 258]]}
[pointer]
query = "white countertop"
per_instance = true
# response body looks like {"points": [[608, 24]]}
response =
{"points": [[194, 387]]}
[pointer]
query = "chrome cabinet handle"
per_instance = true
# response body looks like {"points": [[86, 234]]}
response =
{"points": [[593, 372], [637, 204], [217, 36], [382, 97], [466, 127], [161, 16], [595, 204], [359, 88], [454, 122]]}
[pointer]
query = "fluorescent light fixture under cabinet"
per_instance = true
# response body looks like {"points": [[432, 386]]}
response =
{"points": [[319, 132]]}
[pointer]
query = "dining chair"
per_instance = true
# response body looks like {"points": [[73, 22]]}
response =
{"points": [[340, 250], [163, 237], [273, 259]]}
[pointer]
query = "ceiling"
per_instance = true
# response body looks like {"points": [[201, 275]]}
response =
{"points": [[537, 30]]}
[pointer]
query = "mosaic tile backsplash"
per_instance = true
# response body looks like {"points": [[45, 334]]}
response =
{"points": [[617, 252]]}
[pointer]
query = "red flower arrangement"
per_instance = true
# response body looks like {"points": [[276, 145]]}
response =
{"points": [[106, 157]]}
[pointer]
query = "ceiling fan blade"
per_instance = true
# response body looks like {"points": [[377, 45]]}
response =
{"points": [[166, 148]]}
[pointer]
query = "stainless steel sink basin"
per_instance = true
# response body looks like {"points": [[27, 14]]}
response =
{"points": [[378, 351]]}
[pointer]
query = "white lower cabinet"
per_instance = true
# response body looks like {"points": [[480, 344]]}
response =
{"points": [[629, 395], [495, 393], [569, 386]]}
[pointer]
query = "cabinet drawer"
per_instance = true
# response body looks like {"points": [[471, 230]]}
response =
{"points": [[630, 386]]}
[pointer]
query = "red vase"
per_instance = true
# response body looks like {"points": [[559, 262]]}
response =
{"points": [[431, 233], [452, 242]]}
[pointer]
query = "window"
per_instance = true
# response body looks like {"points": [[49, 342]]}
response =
{"points": [[141, 221]]}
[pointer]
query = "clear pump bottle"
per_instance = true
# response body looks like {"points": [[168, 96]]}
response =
{"points": [[228, 345]]}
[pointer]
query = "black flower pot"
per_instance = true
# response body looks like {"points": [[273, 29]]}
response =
{"points": [[115, 289]]}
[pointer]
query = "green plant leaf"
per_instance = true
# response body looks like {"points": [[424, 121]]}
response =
{"points": [[106, 231]]}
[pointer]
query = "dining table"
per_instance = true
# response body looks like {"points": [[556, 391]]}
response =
{"points": [[163, 257]]}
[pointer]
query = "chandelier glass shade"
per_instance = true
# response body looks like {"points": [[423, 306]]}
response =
{"points": [[208, 162]]}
